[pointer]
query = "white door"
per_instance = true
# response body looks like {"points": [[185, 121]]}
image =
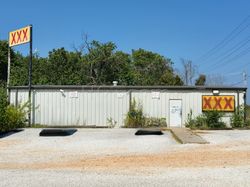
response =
{"points": [[175, 107]]}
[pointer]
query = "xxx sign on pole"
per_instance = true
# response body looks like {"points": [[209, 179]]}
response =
{"points": [[18, 37]]}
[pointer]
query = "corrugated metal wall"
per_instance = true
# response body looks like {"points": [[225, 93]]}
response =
{"points": [[55, 107], [191, 100], [76, 108]]}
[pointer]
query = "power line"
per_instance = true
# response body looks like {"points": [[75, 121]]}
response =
{"points": [[233, 34], [232, 50], [239, 55], [236, 83]]}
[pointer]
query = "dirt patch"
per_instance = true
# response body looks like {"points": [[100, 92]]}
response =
{"points": [[214, 156], [8, 143]]}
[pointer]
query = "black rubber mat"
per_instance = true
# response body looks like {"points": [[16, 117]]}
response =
{"points": [[8, 133], [148, 132], [57, 132]]}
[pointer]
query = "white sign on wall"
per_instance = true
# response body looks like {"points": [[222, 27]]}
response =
{"points": [[155, 95], [73, 94]]}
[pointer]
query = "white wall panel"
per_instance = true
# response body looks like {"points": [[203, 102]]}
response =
{"points": [[89, 108], [94, 107]]}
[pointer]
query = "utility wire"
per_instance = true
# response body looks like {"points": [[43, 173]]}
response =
{"points": [[236, 83], [237, 56], [231, 51], [233, 34]]}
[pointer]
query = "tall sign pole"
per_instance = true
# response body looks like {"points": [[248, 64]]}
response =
{"points": [[8, 76], [18, 37], [30, 75]]}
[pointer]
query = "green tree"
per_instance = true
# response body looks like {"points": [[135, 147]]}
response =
{"points": [[100, 64], [19, 70], [169, 78], [3, 60], [149, 67], [100, 61], [201, 80], [63, 67]]}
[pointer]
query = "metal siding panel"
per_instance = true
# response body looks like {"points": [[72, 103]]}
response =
{"points": [[101, 109], [108, 104], [97, 109], [80, 108], [52, 107], [86, 112], [68, 108], [22, 96], [116, 111], [49, 95], [62, 109], [94, 107], [12, 97], [59, 107], [114, 103], [88, 117], [42, 107], [105, 106], [112, 106], [120, 107]]}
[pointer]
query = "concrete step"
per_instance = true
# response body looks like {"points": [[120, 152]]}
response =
{"points": [[186, 136]]}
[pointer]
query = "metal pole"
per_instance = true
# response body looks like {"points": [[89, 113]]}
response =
{"points": [[8, 76], [244, 74], [238, 102], [30, 75]]}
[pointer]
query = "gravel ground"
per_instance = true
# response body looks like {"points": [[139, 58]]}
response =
{"points": [[115, 157]]}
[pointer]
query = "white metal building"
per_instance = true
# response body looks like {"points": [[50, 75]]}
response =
{"points": [[94, 105]]}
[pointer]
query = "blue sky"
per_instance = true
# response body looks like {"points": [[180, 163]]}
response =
{"points": [[174, 28]]}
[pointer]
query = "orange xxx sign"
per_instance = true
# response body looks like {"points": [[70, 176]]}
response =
{"points": [[219, 103], [19, 36]]}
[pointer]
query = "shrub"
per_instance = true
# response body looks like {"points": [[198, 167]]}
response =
{"points": [[247, 123], [198, 122], [213, 119], [16, 116], [155, 122], [207, 120], [237, 119], [190, 123], [111, 123], [135, 117], [3, 104], [11, 117]]}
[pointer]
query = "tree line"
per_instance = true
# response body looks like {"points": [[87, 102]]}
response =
{"points": [[94, 63]]}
